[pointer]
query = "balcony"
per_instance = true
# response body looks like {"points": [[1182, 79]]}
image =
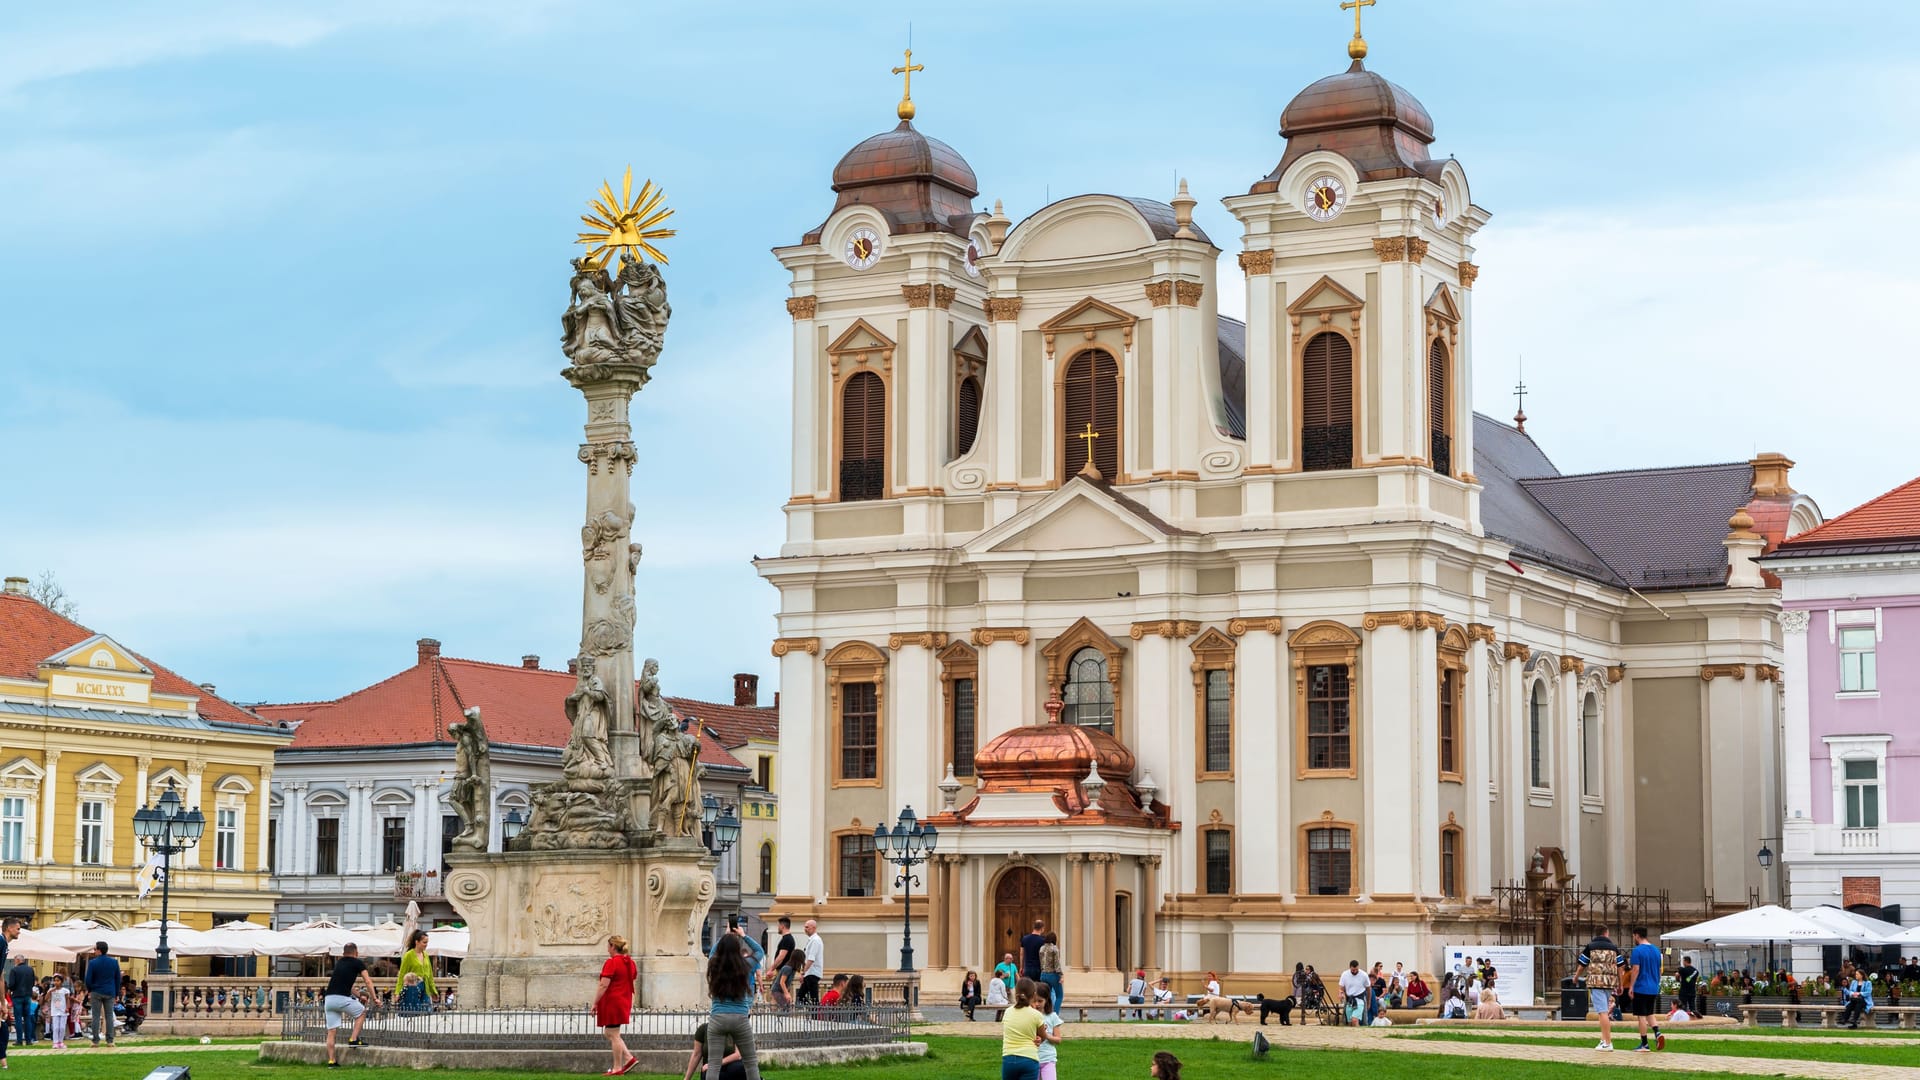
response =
{"points": [[1859, 840], [413, 885]]}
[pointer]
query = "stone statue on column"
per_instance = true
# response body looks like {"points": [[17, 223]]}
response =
{"points": [[472, 780]]}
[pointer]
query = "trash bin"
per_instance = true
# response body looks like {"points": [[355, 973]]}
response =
{"points": [[1573, 1000]]}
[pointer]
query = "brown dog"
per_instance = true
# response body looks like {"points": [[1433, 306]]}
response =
{"points": [[1215, 1009]]}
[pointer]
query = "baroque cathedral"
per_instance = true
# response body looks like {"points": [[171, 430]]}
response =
{"points": [[1221, 645]]}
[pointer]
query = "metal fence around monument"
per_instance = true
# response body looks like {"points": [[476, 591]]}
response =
{"points": [[576, 1029]]}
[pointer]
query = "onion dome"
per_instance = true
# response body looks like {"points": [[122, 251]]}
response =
{"points": [[920, 184], [1058, 758], [1377, 125]]}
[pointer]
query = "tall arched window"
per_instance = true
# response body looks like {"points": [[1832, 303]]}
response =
{"points": [[1590, 747], [966, 407], [1437, 408], [1091, 392], [766, 866], [1326, 403], [1540, 772], [863, 437], [1088, 694]]}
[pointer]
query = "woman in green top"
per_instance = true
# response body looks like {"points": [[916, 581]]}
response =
{"points": [[414, 962], [1020, 1035]]}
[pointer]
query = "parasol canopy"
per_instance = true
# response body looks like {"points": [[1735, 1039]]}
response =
{"points": [[1765, 925]]}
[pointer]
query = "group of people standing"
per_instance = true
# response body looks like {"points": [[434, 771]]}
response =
{"points": [[30, 1006]]}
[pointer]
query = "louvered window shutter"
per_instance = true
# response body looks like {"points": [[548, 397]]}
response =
{"points": [[1093, 397], [863, 437], [967, 419], [1437, 408], [1326, 414]]}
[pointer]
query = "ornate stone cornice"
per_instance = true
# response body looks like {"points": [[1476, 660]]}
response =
{"points": [[785, 645], [1405, 620], [1794, 622], [1256, 262], [1766, 672], [1616, 673], [1710, 672], [987, 635], [917, 295], [1390, 248], [943, 296], [1241, 627], [592, 455], [1160, 293], [1572, 665], [1513, 650], [926, 639], [1187, 293], [1481, 632], [1416, 249], [802, 307], [1003, 308], [1166, 628], [1469, 273]]}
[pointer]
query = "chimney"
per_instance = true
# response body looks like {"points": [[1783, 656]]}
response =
{"points": [[429, 648], [16, 586], [746, 690], [573, 666], [1770, 474], [207, 686], [530, 661]]}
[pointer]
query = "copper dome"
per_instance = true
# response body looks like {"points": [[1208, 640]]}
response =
{"points": [[1380, 127], [920, 184], [1043, 757]]}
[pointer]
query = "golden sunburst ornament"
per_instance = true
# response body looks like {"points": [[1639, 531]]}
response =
{"points": [[626, 224]]}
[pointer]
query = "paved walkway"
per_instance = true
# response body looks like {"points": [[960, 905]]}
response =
{"points": [[1381, 1039]]}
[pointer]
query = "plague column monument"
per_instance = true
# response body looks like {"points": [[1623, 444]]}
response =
{"points": [[612, 847]]}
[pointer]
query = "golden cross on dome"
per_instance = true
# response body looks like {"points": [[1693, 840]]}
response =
{"points": [[906, 90], [1357, 48], [1087, 437]]}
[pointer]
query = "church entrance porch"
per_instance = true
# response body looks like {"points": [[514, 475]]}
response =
{"points": [[1021, 896]]}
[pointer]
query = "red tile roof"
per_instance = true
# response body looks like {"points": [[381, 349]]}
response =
{"points": [[1891, 517], [30, 633], [735, 724], [521, 706]]}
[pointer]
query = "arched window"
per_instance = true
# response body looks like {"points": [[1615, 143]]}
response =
{"points": [[766, 867], [1450, 862], [1437, 408], [1328, 859], [863, 437], [1091, 390], [1326, 403], [966, 407], [1540, 771], [1088, 694], [1590, 747]]}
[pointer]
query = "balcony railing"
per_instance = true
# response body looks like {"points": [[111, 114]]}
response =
{"points": [[1860, 840], [415, 887]]}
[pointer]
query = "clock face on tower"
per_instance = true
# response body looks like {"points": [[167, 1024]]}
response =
{"points": [[972, 262], [863, 248], [1326, 197]]}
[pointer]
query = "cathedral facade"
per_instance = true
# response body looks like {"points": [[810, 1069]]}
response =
{"points": [[1221, 645]]}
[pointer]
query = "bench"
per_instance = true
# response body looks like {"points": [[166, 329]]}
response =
{"points": [[1789, 1013]]}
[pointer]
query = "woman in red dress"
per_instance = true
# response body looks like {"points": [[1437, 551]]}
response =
{"points": [[613, 1004]]}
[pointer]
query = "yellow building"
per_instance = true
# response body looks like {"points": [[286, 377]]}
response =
{"points": [[90, 731]]}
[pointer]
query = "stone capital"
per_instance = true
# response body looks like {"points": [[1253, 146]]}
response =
{"points": [[988, 635], [1256, 262], [1416, 249], [1616, 673], [785, 645], [1405, 620], [926, 639], [943, 296], [1469, 273], [1794, 621], [1513, 650], [1241, 627], [918, 296], [1187, 293], [1160, 293], [802, 307], [1390, 248], [1572, 665], [1481, 632], [1003, 308], [1166, 628], [1710, 672]]}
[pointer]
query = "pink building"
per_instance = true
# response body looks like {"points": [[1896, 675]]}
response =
{"points": [[1851, 730]]}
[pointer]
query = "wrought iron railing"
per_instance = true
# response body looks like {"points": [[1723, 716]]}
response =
{"points": [[1442, 453], [1327, 447], [862, 478], [577, 1029]]}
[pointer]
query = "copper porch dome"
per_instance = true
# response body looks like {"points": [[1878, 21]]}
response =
{"points": [[1377, 125], [921, 184]]}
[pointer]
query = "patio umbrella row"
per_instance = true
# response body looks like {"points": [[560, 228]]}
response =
{"points": [[1770, 923], [68, 940]]}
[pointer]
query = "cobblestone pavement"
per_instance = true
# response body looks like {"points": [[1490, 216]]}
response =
{"points": [[1381, 1039]]}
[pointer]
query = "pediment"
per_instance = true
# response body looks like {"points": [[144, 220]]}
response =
{"points": [[100, 653], [1089, 314], [973, 344], [1325, 295], [1077, 517], [1441, 304], [861, 337]]}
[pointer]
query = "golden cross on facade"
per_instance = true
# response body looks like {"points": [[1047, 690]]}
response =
{"points": [[1357, 48], [906, 90], [1087, 437]]}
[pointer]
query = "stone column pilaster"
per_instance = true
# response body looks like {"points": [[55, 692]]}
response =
{"points": [[196, 772], [296, 839], [1149, 911], [1102, 910], [1796, 742], [1073, 922], [142, 769], [264, 821], [49, 793], [956, 944]]}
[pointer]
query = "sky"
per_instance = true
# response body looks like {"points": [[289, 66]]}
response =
{"points": [[280, 284]]}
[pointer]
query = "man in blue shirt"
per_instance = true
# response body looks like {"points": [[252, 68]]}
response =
{"points": [[103, 989], [1643, 965]]}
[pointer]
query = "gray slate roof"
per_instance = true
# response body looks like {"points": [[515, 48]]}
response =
{"points": [[1232, 334]]}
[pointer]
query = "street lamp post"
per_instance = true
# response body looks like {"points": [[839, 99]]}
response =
{"points": [[906, 845], [167, 829], [1765, 858]]}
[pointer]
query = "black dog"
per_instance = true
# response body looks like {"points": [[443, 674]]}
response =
{"points": [[1284, 1007]]}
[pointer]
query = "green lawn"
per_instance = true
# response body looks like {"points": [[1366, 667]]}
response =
{"points": [[1625, 1038], [949, 1056]]}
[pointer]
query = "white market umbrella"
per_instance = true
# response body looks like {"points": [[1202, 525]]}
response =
{"points": [[30, 945], [1765, 925], [1839, 919], [413, 922], [318, 937], [75, 934], [1906, 937], [448, 941], [238, 938], [142, 940], [377, 939]]}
